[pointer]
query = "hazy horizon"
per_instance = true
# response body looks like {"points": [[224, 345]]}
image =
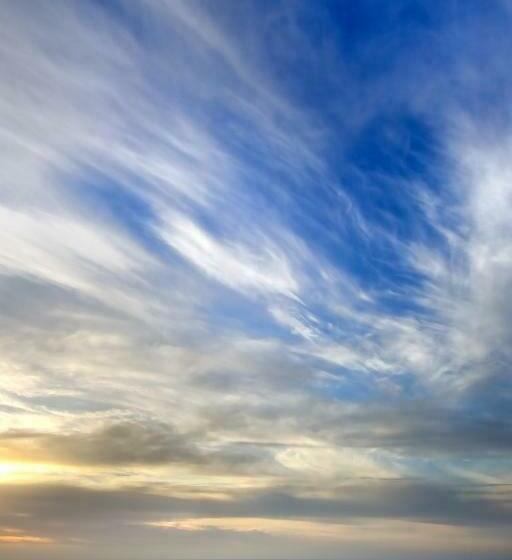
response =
{"points": [[255, 280]]}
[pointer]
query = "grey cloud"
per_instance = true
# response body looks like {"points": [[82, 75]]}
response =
{"points": [[142, 443], [426, 428], [122, 443], [49, 505], [413, 428]]}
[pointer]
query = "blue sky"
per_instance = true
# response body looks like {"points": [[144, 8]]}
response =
{"points": [[255, 277]]}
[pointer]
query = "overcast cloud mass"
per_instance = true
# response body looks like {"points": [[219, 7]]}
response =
{"points": [[255, 280]]}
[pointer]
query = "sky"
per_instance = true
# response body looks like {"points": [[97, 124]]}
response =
{"points": [[255, 280]]}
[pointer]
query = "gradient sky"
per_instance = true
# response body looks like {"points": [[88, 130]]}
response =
{"points": [[255, 280]]}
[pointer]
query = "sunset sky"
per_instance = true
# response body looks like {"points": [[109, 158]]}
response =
{"points": [[255, 280]]}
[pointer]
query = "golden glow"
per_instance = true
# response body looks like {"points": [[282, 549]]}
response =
{"points": [[256, 524], [23, 539], [395, 535], [19, 472]]}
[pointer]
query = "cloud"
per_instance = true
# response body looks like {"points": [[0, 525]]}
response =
{"points": [[116, 444], [142, 517], [264, 268], [252, 257]]}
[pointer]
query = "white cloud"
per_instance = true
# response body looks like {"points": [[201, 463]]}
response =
{"points": [[261, 267]]}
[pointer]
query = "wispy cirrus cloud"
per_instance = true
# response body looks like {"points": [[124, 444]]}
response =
{"points": [[250, 255]]}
